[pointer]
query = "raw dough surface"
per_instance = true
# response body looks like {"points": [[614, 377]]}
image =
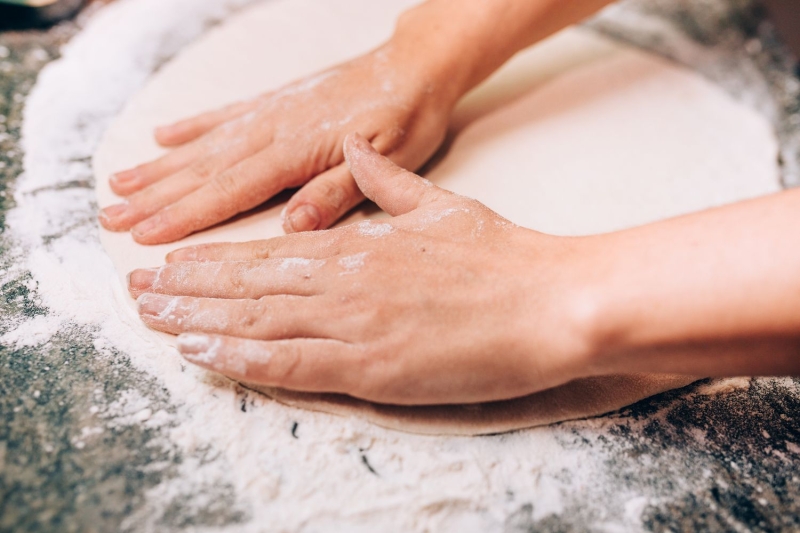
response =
{"points": [[577, 135]]}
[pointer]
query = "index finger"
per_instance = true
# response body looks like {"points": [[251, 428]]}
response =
{"points": [[317, 245], [238, 189]]}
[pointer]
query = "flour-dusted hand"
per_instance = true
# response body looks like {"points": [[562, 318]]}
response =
{"points": [[399, 97], [229, 161], [446, 302]]}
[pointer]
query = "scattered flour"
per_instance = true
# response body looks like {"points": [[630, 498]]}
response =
{"points": [[352, 263], [201, 348], [314, 482], [294, 262], [369, 228], [724, 386], [434, 217]]}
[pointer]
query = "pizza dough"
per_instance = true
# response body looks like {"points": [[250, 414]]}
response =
{"points": [[577, 135]]}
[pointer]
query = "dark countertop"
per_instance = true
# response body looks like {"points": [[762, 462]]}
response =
{"points": [[744, 443]]}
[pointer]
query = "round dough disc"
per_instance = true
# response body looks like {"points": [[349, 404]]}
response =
{"points": [[577, 135]]}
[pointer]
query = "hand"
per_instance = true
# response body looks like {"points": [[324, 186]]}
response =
{"points": [[447, 302], [234, 159]]}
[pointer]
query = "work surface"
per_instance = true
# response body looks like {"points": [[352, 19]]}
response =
{"points": [[717, 456]]}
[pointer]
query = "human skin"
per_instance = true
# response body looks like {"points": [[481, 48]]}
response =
{"points": [[399, 96], [447, 302]]}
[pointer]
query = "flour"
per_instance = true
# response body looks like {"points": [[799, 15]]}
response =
{"points": [[317, 482], [374, 229], [305, 86], [352, 264], [434, 217], [200, 348], [294, 262]]}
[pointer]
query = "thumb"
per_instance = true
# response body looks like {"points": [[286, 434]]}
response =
{"points": [[395, 190]]}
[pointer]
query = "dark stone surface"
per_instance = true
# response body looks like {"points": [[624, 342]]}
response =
{"points": [[728, 462], [51, 479], [724, 462], [16, 16]]}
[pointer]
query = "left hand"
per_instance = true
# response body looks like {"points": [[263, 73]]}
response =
{"points": [[447, 302]]}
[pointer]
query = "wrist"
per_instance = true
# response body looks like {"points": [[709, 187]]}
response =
{"points": [[595, 307], [459, 43], [590, 318], [433, 65], [455, 42], [559, 314]]}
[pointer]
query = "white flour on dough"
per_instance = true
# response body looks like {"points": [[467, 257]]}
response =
{"points": [[578, 135]]}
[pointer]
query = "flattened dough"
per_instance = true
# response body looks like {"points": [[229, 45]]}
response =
{"points": [[578, 135]]}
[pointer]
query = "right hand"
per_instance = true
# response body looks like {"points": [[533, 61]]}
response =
{"points": [[446, 302], [231, 160]]}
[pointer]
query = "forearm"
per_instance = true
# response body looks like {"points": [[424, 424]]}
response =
{"points": [[461, 42], [714, 293]]}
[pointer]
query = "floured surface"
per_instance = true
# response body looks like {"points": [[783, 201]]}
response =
{"points": [[577, 136], [578, 399], [201, 462]]}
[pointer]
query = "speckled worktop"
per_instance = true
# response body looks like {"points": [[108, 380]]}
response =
{"points": [[742, 440]]}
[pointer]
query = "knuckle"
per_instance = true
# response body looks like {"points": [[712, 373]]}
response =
{"points": [[166, 278], [252, 315], [226, 185], [237, 283], [254, 319], [262, 249], [330, 195], [330, 154], [201, 171]]}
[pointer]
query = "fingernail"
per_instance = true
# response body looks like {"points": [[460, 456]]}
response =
{"points": [[142, 279], [156, 305], [113, 211], [304, 218], [198, 348], [143, 228], [124, 177]]}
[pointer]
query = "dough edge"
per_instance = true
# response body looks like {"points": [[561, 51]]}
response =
{"points": [[583, 398]]}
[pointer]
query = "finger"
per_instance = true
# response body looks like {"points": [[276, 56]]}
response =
{"points": [[395, 190], [243, 279], [317, 245], [328, 197], [270, 318], [238, 189], [149, 201], [128, 182], [310, 365], [190, 129], [323, 201]]}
